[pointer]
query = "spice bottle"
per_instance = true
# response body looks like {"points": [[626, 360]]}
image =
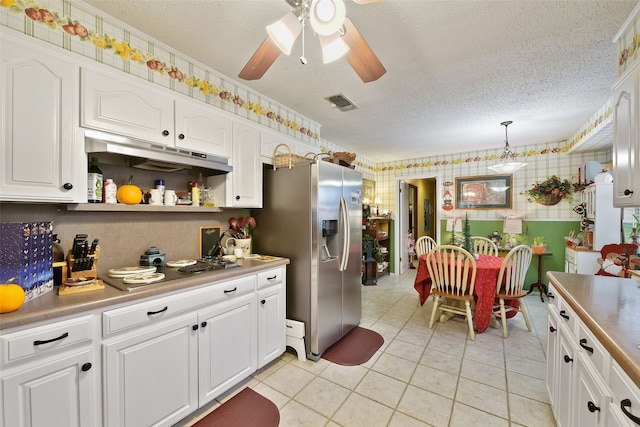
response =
{"points": [[110, 192], [94, 182], [195, 194]]}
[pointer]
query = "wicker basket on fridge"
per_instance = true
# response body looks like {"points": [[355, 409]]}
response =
{"points": [[288, 159]]}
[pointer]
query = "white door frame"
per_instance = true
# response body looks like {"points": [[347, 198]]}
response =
{"points": [[401, 218]]}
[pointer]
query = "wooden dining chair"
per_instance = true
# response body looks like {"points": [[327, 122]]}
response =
{"points": [[510, 283], [484, 246], [424, 244], [453, 275]]}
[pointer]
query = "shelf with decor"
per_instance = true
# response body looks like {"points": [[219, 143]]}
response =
{"points": [[379, 229]]}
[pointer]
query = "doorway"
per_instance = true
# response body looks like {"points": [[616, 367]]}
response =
{"points": [[417, 211]]}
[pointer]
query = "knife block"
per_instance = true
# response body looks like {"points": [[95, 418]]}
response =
{"points": [[93, 272]]}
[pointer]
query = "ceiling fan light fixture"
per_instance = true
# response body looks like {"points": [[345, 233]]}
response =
{"points": [[327, 16], [284, 32], [507, 163], [333, 47]]}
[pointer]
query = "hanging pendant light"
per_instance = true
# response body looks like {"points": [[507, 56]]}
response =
{"points": [[508, 163]]}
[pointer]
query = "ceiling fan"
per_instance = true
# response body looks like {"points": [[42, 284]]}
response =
{"points": [[337, 33]]}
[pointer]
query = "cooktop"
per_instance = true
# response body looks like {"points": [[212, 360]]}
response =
{"points": [[201, 266]]}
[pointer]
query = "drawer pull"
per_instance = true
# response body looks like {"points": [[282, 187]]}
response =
{"points": [[194, 327], [583, 344], [550, 295], [86, 367], [564, 315], [552, 329], [203, 324], [624, 404], [230, 291], [165, 132], [151, 313], [40, 342], [592, 407], [567, 359], [628, 192], [272, 277], [262, 301]]}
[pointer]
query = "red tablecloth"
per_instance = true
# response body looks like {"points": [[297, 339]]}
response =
{"points": [[484, 289]]}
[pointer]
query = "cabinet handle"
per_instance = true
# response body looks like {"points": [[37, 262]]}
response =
{"points": [[583, 344], [203, 324], [550, 295], [262, 301], [567, 359], [181, 136], [231, 290], [67, 186], [624, 404], [272, 277], [552, 329], [194, 327], [165, 132], [40, 342], [628, 192], [237, 197], [150, 313], [563, 314], [86, 367], [592, 407]]}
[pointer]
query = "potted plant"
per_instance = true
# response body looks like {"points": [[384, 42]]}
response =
{"points": [[539, 247], [549, 192]]}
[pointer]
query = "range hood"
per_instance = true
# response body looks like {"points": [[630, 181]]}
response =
{"points": [[150, 156]]}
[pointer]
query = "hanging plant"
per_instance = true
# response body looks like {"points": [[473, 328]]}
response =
{"points": [[549, 192]]}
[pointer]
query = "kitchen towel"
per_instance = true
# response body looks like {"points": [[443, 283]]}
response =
{"points": [[245, 409]]}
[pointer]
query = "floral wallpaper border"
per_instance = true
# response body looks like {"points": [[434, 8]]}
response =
{"points": [[77, 22]]}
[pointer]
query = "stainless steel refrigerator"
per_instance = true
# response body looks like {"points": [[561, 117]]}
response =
{"points": [[312, 214]]}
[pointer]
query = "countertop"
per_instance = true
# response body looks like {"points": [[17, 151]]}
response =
{"points": [[51, 305], [610, 308]]}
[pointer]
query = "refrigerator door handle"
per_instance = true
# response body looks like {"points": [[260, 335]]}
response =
{"points": [[346, 234]]}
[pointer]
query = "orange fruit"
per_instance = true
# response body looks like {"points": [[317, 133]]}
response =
{"points": [[11, 297], [129, 194]]}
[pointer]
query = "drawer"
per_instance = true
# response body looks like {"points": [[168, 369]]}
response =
{"points": [[570, 255], [623, 388], [554, 297], [270, 277], [148, 312], [44, 340], [567, 316], [594, 351]]}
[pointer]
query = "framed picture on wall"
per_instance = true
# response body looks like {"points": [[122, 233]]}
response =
{"points": [[368, 191], [484, 192]]}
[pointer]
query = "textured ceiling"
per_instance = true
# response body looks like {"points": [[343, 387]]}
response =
{"points": [[455, 69]]}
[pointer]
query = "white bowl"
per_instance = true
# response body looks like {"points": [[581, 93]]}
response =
{"points": [[229, 258]]}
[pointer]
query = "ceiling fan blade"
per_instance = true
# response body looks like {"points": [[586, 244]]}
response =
{"points": [[261, 60], [360, 56]]}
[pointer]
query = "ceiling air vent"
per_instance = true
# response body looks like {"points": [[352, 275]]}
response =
{"points": [[341, 102]]}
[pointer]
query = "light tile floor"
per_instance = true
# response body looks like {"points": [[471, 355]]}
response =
{"points": [[420, 376]]}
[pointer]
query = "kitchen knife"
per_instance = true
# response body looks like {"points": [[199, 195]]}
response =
{"points": [[85, 249], [94, 245]]}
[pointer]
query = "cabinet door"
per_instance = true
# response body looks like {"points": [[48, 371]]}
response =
{"points": [[41, 152], [199, 127], [228, 353], [553, 358], [626, 176], [246, 179], [591, 396], [126, 106], [55, 393], [271, 324], [151, 377], [566, 366]]}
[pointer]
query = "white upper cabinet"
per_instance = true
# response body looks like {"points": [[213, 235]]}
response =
{"points": [[200, 128], [41, 151], [126, 107], [626, 141], [131, 107]]}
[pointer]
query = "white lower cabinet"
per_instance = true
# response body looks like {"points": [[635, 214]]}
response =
{"points": [[591, 395], [271, 340], [227, 346], [151, 377], [624, 409], [50, 375]]}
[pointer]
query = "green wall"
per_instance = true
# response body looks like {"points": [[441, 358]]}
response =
{"points": [[553, 232]]}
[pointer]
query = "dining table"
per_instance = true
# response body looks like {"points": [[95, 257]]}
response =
{"points": [[484, 291]]}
